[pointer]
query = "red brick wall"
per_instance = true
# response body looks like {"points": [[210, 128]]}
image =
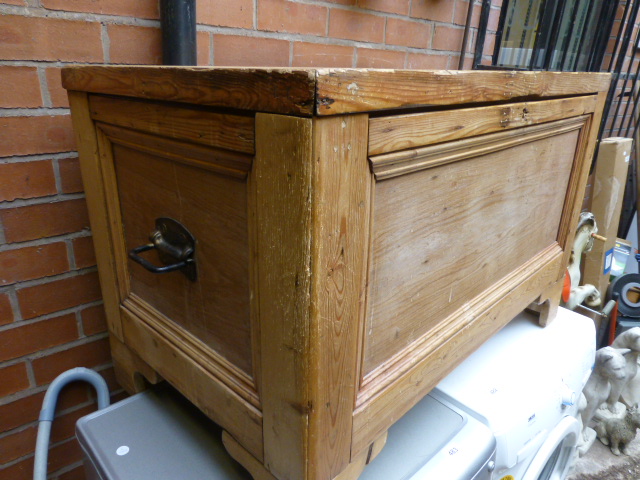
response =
{"points": [[51, 315]]}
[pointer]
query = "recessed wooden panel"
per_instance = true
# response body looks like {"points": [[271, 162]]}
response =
{"points": [[443, 235], [213, 207], [436, 354]]}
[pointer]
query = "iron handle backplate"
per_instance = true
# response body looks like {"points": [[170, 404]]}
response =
{"points": [[175, 246]]}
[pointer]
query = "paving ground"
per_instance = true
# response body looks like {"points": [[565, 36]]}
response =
{"points": [[600, 464]]}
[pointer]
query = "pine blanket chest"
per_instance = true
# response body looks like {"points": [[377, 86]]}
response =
{"points": [[304, 253]]}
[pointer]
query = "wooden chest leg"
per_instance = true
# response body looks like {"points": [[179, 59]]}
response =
{"points": [[131, 371], [244, 458], [546, 306], [358, 464], [259, 472]]}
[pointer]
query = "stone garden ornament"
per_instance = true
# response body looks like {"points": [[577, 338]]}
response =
{"points": [[582, 243], [631, 340], [610, 365], [618, 433]]}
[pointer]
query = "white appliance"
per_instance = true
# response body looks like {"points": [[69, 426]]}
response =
{"points": [[435, 440], [524, 384], [506, 413], [158, 435]]}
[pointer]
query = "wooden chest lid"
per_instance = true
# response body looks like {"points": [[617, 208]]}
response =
{"points": [[309, 92]]}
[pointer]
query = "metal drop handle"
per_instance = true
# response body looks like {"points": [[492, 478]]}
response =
{"points": [[176, 248]]}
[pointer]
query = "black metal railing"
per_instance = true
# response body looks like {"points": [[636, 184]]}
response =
{"points": [[621, 112], [576, 35], [563, 35]]}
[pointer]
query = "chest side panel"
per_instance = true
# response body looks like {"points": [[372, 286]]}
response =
{"points": [[466, 231], [444, 235], [213, 207], [190, 165]]}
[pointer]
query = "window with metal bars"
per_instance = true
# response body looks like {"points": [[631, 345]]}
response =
{"points": [[573, 35], [563, 35]]}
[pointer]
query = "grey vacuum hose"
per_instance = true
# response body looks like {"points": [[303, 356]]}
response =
{"points": [[49, 409]]}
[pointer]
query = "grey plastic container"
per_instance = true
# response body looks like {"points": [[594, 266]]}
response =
{"points": [[435, 441], [158, 435], [164, 437]]}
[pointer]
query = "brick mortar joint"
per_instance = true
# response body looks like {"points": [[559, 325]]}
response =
{"points": [[16, 361], [55, 163], [45, 241], [71, 254], [66, 346], [44, 87], [78, 309], [369, 11], [256, 6], [38, 157], [426, 22], [80, 325], [31, 455], [43, 13], [43, 388], [34, 424], [34, 112], [48, 199], [68, 468], [306, 38], [39, 63], [46, 280], [31, 375], [63, 412], [105, 41], [13, 301]]}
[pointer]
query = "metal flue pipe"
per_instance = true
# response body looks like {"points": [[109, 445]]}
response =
{"points": [[178, 22]]}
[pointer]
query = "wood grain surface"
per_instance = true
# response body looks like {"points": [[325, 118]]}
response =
{"points": [[255, 467], [285, 91], [349, 263], [132, 373], [114, 215], [400, 132], [393, 164], [341, 211], [362, 460], [443, 235], [283, 174], [326, 91], [450, 344], [188, 123], [227, 373], [351, 91], [577, 185], [94, 186], [215, 308], [216, 160]]}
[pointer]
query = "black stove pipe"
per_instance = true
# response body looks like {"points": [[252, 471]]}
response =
{"points": [[178, 22]]}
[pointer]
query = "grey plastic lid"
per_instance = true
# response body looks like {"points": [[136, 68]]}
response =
{"points": [[434, 440], [156, 435]]}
